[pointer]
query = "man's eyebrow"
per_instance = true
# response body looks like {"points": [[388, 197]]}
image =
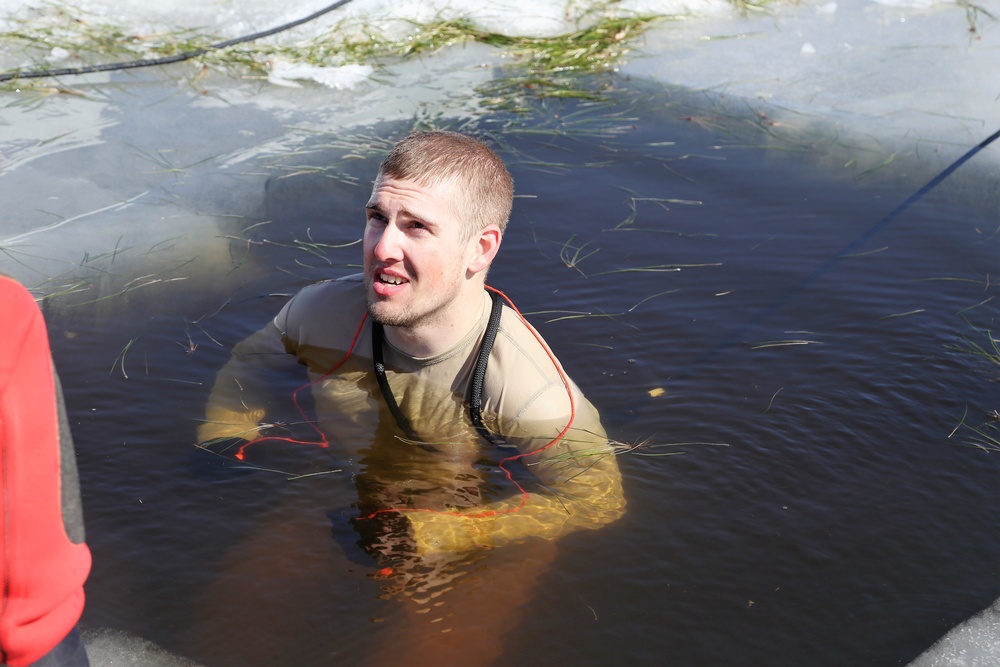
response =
{"points": [[404, 213]]}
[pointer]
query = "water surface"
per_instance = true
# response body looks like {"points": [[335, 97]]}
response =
{"points": [[689, 277]]}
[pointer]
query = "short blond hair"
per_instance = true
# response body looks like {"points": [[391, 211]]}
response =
{"points": [[429, 158]]}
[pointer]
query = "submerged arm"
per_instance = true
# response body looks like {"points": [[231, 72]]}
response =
{"points": [[580, 489], [238, 402]]}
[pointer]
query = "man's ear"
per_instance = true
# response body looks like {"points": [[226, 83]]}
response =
{"points": [[485, 246]]}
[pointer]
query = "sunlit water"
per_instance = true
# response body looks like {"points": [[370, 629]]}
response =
{"points": [[820, 508]]}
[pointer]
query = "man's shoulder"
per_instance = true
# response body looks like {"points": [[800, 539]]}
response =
{"points": [[523, 369], [518, 342], [324, 307], [325, 291], [527, 386]]}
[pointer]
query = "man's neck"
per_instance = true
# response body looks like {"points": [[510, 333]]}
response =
{"points": [[442, 333]]}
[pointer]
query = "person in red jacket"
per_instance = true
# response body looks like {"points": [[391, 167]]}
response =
{"points": [[44, 559]]}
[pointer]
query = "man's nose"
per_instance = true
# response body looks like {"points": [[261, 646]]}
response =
{"points": [[389, 245]]}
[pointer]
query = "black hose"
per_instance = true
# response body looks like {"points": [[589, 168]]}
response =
{"points": [[166, 60], [847, 251]]}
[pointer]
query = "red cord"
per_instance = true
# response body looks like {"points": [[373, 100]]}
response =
{"points": [[323, 442], [502, 464], [510, 459]]}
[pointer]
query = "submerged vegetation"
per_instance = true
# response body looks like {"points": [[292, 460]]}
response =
{"points": [[984, 435], [990, 352]]}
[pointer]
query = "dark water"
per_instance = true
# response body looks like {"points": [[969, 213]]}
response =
{"points": [[817, 511]]}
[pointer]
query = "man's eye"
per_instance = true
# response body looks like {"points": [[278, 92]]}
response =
{"points": [[376, 216]]}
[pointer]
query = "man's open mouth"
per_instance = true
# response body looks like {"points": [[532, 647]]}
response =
{"points": [[389, 280]]}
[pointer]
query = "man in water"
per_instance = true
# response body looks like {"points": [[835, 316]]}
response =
{"points": [[462, 428]]}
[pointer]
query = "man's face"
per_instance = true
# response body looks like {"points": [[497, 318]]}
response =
{"points": [[415, 254]]}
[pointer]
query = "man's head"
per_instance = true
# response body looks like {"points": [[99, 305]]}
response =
{"points": [[429, 158], [434, 225]]}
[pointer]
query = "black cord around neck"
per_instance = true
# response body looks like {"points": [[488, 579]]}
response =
{"points": [[475, 387]]}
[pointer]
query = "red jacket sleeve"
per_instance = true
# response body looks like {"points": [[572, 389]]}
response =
{"points": [[44, 560]]}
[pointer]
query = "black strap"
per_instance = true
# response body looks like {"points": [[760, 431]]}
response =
{"points": [[479, 374], [383, 382], [475, 388]]}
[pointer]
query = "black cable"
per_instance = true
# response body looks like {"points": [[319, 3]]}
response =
{"points": [[479, 373], [166, 60], [848, 250], [378, 336]]}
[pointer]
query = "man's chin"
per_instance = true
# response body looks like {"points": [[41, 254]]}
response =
{"points": [[385, 315]]}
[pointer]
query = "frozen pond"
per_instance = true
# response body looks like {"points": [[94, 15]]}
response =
{"points": [[714, 267]]}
